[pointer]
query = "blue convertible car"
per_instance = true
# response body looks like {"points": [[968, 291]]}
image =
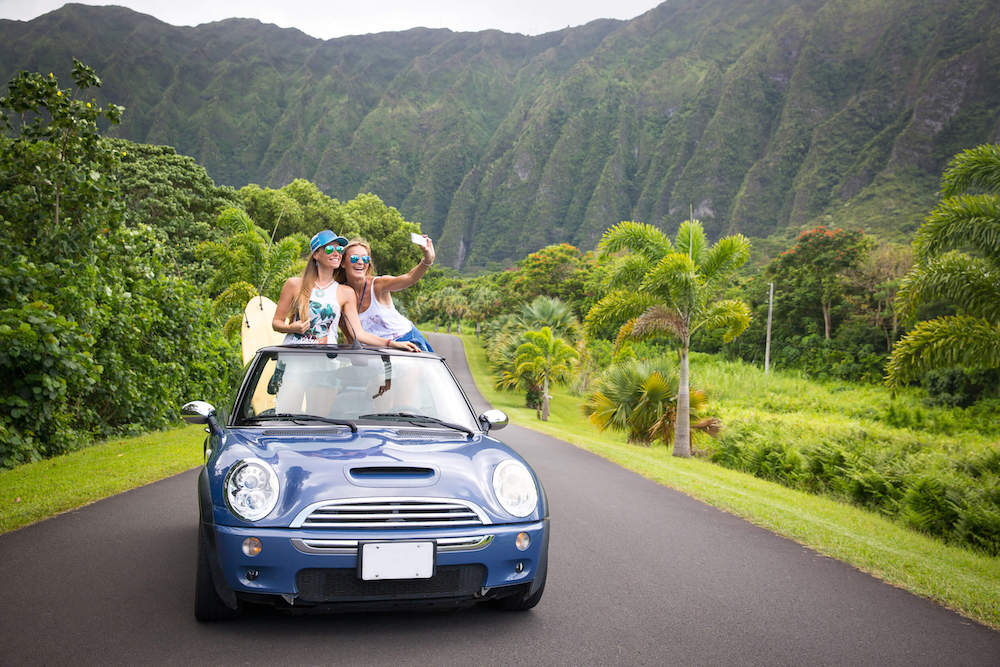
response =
{"points": [[350, 478]]}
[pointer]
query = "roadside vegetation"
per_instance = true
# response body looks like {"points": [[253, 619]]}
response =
{"points": [[124, 270], [963, 579]]}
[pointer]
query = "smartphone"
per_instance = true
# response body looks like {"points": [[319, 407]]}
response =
{"points": [[418, 239]]}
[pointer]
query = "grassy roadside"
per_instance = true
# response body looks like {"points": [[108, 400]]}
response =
{"points": [[956, 578], [34, 491]]}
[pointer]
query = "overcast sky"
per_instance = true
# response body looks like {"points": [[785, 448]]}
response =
{"points": [[335, 18]]}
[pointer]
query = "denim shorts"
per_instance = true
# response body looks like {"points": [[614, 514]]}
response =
{"points": [[414, 336]]}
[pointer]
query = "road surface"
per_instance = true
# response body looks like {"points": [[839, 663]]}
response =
{"points": [[638, 574]]}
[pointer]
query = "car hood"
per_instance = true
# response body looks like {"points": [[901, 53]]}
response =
{"points": [[320, 464]]}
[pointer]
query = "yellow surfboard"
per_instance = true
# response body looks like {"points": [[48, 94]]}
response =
{"points": [[257, 331]]}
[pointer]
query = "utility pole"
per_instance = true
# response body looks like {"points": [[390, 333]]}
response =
{"points": [[767, 344]]}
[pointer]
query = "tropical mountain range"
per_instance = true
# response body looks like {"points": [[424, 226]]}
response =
{"points": [[757, 116]]}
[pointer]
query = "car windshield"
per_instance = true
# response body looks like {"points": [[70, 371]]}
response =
{"points": [[318, 386]]}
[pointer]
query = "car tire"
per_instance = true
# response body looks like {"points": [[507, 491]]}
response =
{"points": [[208, 606], [522, 601]]}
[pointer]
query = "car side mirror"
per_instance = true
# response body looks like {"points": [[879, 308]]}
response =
{"points": [[493, 419], [200, 412]]}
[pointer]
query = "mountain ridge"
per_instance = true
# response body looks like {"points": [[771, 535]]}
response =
{"points": [[761, 117]]}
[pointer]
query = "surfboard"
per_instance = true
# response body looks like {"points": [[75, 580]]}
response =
{"points": [[257, 331]]}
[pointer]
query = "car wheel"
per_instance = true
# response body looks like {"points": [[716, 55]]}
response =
{"points": [[522, 601], [208, 606]]}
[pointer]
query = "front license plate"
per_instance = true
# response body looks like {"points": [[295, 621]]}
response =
{"points": [[397, 560]]}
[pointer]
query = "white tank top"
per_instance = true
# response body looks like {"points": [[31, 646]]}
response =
{"points": [[324, 317], [384, 321]]}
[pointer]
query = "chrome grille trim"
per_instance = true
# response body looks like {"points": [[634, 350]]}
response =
{"points": [[311, 546], [391, 512]]}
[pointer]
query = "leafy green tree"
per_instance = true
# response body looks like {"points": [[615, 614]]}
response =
{"points": [[484, 302], [639, 398], [246, 263], [96, 329], [384, 227], [546, 359], [672, 289], [958, 260], [815, 269], [175, 196]]}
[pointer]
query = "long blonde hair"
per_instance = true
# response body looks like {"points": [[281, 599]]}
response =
{"points": [[300, 305], [340, 274]]}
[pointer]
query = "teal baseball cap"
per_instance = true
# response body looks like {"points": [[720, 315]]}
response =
{"points": [[323, 238]]}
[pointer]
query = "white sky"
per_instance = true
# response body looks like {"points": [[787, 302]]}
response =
{"points": [[335, 18]]}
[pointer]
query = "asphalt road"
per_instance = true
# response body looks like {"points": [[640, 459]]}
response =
{"points": [[638, 574]]}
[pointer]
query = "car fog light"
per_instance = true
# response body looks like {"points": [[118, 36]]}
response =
{"points": [[252, 575], [251, 546], [523, 541], [519, 567]]}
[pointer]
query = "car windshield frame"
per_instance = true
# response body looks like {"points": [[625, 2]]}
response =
{"points": [[329, 363]]}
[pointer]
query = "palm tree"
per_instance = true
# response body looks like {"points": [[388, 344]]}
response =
{"points": [[672, 289], [546, 358], [638, 397], [246, 264], [553, 313], [968, 280]]}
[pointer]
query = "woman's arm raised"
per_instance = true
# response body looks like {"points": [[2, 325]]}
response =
{"points": [[396, 283]]}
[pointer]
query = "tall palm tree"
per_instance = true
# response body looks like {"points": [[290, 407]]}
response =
{"points": [[673, 289], [547, 358], [958, 261]]}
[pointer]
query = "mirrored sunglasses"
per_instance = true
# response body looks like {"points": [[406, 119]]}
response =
{"points": [[330, 249], [360, 258]]}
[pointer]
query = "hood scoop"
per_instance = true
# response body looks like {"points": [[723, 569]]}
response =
{"points": [[389, 475]]}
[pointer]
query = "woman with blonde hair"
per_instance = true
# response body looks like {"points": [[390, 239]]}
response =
{"points": [[373, 293], [311, 306]]}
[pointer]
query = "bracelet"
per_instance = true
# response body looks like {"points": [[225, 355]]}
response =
{"points": [[426, 264]]}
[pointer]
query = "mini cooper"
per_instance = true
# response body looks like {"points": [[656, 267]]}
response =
{"points": [[355, 478]]}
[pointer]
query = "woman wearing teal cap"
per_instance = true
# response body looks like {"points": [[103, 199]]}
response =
{"points": [[315, 302]]}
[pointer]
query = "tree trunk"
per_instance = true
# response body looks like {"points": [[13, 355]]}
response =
{"points": [[477, 329], [682, 425], [826, 320], [545, 399]]}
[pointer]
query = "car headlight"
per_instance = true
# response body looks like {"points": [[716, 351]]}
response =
{"points": [[251, 489], [515, 488]]}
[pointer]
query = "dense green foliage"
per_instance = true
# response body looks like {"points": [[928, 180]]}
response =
{"points": [[970, 281], [96, 325], [766, 117]]}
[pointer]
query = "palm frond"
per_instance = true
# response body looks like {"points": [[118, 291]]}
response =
{"points": [[675, 280], [233, 297], [691, 241], [977, 167], [722, 259], [963, 221], [967, 282], [658, 320], [638, 237], [628, 270], [966, 341], [731, 316], [616, 308]]}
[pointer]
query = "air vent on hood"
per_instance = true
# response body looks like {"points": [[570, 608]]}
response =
{"points": [[394, 472]]}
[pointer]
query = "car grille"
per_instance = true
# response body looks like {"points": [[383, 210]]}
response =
{"points": [[379, 513], [343, 585]]}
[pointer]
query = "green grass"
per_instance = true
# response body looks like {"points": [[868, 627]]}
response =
{"points": [[34, 491], [960, 579]]}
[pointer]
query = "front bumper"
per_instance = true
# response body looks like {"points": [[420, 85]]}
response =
{"points": [[292, 556]]}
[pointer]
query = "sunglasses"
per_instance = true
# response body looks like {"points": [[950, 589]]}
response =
{"points": [[330, 249], [365, 259]]}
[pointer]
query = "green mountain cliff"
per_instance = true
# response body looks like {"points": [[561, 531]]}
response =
{"points": [[763, 116]]}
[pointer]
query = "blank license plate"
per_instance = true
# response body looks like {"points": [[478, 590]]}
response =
{"points": [[397, 560]]}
